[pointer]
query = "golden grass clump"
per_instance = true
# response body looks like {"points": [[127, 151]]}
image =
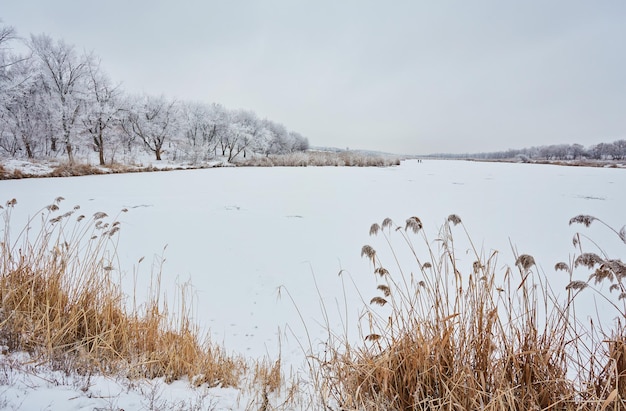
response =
{"points": [[76, 169], [438, 335], [61, 303]]}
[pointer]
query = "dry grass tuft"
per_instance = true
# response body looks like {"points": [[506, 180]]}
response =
{"points": [[73, 170], [61, 303], [16, 174], [439, 338]]}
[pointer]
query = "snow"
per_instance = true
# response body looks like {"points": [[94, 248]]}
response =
{"points": [[249, 240], [28, 167]]}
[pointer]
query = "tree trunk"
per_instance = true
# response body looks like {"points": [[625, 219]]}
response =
{"points": [[70, 154], [66, 139], [99, 142], [101, 150], [29, 150]]}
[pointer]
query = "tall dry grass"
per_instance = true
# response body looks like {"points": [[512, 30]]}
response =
{"points": [[62, 302], [321, 159], [438, 335]]}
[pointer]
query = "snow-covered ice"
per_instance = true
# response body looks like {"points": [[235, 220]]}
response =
{"points": [[248, 238]]}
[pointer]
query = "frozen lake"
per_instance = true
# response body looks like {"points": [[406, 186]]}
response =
{"points": [[238, 234]]}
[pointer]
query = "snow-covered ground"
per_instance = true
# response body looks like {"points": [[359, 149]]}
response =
{"points": [[250, 240]]}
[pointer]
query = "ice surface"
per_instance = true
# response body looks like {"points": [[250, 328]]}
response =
{"points": [[239, 234]]}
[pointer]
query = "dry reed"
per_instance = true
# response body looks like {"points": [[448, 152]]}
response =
{"points": [[321, 159], [439, 336], [61, 303]]}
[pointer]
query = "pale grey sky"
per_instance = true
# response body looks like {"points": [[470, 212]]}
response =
{"points": [[398, 76]]}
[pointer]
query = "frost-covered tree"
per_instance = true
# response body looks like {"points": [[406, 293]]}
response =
{"points": [[620, 149], [103, 108], [20, 100], [203, 126], [153, 121], [24, 109], [244, 129], [299, 142], [54, 96], [7, 34], [63, 73], [282, 141], [576, 151], [278, 135]]}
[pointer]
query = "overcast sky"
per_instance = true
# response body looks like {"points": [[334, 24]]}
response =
{"points": [[398, 76]]}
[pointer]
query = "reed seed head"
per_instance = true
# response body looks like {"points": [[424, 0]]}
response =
{"points": [[589, 260], [454, 219], [387, 223], [369, 252], [617, 266], [99, 215], [477, 266], [374, 229], [426, 265], [381, 271], [561, 266], [576, 285], [602, 274], [525, 261], [414, 223], [373, 337], [378, 300], [385, 289], [582, 219]]}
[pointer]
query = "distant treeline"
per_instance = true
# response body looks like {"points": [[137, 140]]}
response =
{"points": [[56, 101], [557, 152]]}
